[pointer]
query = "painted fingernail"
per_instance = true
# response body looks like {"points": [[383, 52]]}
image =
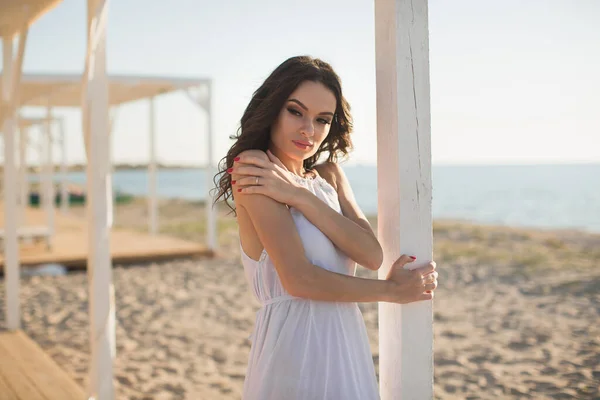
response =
{"points": [[229, 170], [239, 190], [233, 182], [236, 159], [414, 258]]}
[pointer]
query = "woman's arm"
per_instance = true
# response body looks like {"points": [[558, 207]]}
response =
{"points": [[349, 231], [277, 232]]}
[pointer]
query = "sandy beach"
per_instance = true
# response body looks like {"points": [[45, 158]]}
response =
{"points": [[517, 314]]}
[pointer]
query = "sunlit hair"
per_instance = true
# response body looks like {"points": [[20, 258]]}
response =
{"points": [[265, 106]]}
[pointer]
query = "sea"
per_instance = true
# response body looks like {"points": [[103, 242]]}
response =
{"points": [[565, 196]]}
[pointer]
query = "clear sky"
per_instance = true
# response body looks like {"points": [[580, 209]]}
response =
{"points": [[511, 81]]}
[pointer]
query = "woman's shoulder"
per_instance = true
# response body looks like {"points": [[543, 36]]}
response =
{"points": [[254, 153], [331, 172]]}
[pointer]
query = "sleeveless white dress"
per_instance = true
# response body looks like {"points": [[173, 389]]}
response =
{"points": [[304, 349]]}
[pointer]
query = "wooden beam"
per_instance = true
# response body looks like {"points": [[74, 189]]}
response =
{"points": [[97, 139], [404, 190]]}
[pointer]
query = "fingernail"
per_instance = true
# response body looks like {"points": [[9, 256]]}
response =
{"points": [[414, 258], [233, 182], [229, 169], [236, 159], [239, 190]]}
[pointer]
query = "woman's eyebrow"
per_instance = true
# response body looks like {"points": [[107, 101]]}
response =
{"points": [[306, 108]]}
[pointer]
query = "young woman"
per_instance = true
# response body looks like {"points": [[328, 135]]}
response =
{"points": [[301, 236]]}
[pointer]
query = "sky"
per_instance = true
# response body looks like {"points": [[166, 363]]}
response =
{"points": [[512, 82]]}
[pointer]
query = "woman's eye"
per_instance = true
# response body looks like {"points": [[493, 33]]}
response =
{"points": [[324, 121], [295, 112]]}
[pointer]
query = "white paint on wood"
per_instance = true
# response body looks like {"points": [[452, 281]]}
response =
{"points": [[99, 191], [23, 175], [204, 102], [404, 186], [64, 195], [211, 218], [11, 254], [48, 183], [152, 186]]}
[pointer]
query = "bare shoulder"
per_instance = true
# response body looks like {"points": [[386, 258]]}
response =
{"points": [[332, 173], [254, 153]]}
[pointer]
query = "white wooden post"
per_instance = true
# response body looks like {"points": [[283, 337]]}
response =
{"points": [[404, 186], [99, 199], [11, 246], [23, 174], [152, 199], [48, 185], [64, 195], [211, 220], [111, 124], [211, 216]]}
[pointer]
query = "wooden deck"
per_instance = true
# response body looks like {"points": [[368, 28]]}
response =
{"points": [[28, 373], [70, 244]]}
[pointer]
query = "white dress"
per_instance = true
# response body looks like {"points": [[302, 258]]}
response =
{"points": [[304, 349]]}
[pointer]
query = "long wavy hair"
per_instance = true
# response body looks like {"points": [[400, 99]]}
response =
{"points": [[264, 107]]}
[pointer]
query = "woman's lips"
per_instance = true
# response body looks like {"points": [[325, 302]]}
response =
{"points": [[302, 145]]}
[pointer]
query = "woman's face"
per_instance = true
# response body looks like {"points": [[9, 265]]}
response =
{"points": [[304, 121]]}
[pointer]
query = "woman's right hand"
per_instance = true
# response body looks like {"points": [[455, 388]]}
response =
{"points": [[407, 286]]}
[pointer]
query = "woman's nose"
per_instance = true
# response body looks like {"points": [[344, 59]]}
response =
{"points": [[308, 129]]}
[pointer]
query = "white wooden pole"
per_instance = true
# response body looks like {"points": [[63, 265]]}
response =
{"points": [[211, 220], [11, 249], [152, 195], [404, 186], [64, 195], [49, 192], [97, 139], [111, 124], [23, 175]]}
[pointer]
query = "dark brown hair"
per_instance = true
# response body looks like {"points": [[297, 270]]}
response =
{"points": [[265, 106]]}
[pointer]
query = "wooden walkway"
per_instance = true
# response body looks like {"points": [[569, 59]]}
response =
{"points": [[70, 244], [28, 373]]}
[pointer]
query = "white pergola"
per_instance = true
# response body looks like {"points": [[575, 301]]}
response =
{"points": [[46, 160], [59, 90], [44, 153], [404, 178]]}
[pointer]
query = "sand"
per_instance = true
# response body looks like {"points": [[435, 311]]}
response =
{"points": [[516, 315]]}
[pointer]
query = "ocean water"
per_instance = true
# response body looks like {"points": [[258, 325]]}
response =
{"points": [[543, 196]]}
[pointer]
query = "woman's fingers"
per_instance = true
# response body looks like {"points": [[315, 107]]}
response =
{"points": [[251, 160], [427, 268], [249, 181], [426, 296], [247, 170], [403, 260]]}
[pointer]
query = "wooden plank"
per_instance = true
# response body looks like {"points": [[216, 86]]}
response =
{"points": [[38, 368], [6, 392], [13, 375]]}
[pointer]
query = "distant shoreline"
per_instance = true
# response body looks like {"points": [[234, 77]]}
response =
{"points": [[132, 167]]}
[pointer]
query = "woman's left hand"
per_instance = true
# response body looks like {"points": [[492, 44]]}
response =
{"points": [[269, 178]]}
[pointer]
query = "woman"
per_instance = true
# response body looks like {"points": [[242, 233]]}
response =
{"points": [[301, 236]]}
